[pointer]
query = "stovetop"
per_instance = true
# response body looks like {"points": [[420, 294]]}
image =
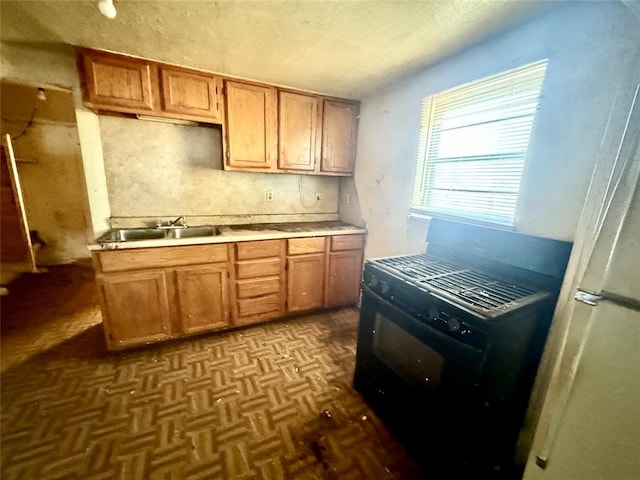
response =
{"points": [[476, 290]]}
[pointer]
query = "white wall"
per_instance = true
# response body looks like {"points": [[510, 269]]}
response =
{"points": [[591, 46]]}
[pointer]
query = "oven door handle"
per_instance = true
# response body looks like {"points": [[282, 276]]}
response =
{"points": [[366, 290]]}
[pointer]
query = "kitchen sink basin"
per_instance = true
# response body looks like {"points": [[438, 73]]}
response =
{"points": [[133, 234], [191, 232]]}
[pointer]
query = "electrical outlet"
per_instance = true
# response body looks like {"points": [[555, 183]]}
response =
{"points": [[318, 196], [268, 195]]}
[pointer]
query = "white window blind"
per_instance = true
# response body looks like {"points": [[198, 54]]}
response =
{"points": [[473, 144]]}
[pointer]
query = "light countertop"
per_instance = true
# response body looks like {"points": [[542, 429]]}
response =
{"points": [[242, 233]]}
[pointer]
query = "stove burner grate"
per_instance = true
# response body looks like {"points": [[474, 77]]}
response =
{"points": [[469, 286]]}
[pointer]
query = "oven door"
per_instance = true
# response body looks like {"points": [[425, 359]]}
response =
{"points": [[399, 355]]}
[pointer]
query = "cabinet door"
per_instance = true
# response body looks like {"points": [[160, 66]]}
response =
{"points": [[136, 308], [191, 94], [343, 279], [118, 83], [203, 297], [297, 125], [251, 126], [305, 282], [339, 121]]}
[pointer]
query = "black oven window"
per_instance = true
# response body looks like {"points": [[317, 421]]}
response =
{"points": [[412, 360]]}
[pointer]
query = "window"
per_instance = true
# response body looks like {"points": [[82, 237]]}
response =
{"points": [[473, 144]]}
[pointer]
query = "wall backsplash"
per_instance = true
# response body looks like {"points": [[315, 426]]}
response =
{"points": [[164, 170]]}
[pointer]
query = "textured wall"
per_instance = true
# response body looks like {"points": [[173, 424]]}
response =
{"points": [[50, 63], [162, 170], [592, 49], [51, 175]]}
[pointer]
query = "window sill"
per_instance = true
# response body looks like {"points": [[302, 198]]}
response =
{"points": [[421, 218]]}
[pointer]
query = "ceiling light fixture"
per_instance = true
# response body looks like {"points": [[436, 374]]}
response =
{"points": [[107, 8]]}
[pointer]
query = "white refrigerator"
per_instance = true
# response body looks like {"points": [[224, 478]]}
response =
{"points": [[589, 425]]}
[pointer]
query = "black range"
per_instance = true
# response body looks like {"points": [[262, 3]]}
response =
{"points": [[449, 341]]}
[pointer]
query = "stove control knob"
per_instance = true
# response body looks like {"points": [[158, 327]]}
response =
{"points": [[384, 287], [453, 324]]}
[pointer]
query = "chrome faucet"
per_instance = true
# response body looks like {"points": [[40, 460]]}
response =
{"points": [[178, 222], [175, 223]]}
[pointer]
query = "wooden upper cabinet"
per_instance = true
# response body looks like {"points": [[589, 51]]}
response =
{"points": [[251, 126], [123, 84], [191, 94], [297, 129], [339, 125], [265, 129]]}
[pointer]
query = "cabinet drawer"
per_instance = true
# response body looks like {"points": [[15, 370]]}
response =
{"points": [[260, 249], [160, 257], [299, 246], [259, 268], [256, 306], [257, 287], [346, 242]]}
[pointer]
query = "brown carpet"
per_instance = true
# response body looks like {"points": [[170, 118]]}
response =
{"points": [[271, 401]]}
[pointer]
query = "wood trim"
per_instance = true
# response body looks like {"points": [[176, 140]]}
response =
{"points": [[23, 223]]}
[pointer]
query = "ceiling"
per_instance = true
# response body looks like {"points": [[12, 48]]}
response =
{"points": [[344, 48]]}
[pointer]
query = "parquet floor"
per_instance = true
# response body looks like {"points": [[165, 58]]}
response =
{"points": [[268, 402]]}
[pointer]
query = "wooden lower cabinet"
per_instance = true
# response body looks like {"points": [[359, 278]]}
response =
{"points": [[152, 294], [135, 308], [202, 298], [343, 279], [305, 282], [259, 286]]}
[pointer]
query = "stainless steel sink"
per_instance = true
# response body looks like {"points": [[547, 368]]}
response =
{"points": [[131, 234], [134, 234], [191, 232]]}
